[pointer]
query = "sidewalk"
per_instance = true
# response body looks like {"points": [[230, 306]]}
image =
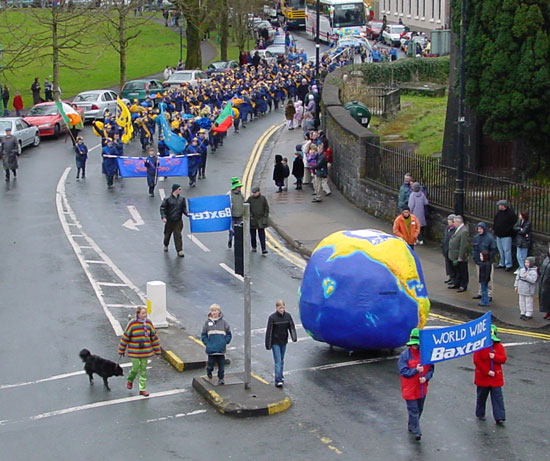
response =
{"points": [[304, 224]]}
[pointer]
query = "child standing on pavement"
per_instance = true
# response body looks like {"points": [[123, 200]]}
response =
{"points": [[484, 277], [279, 173], [525, 284], [286, 169], [298, 169], [216, 335]]}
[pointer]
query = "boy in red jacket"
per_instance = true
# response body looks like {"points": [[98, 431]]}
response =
{"points": [[414, 381], [489, 378]]}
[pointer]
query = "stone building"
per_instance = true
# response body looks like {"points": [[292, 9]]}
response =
{"points": [[417, 14]]}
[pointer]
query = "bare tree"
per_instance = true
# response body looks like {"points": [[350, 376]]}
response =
{"points": [[240, 11]]}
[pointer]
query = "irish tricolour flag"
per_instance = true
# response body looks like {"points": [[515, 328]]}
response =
{"points": [[225, 119], [69, 115]]}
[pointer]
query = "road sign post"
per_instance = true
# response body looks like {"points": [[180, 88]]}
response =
{"points": [[246, 291]]}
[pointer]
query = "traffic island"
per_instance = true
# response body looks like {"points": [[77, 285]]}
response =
{"points": [[231, 398]]}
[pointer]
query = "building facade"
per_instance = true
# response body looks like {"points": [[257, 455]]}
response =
{"points": [[421, 15]]}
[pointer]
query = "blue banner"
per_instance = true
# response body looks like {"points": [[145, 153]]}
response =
{"points": [[134, 167], [175, 143], [440, 344], [210, 214]]}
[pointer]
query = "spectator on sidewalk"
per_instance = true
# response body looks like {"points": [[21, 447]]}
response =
{"points": [[259, 214], [449, 231], [311, 159], [459, 256], [489, 378], [6, 100], [522, 228], [417, 203], [279, 173], [35, 90], [405, 191], [237, 208], [216, 335], [483, 241], [18, 104], [298, 169], [286, 170], [525, 286], [320, 172], [484, 277], [503, 227], [290, 112], [298, 113], [406, 226], [322, 149], [544, 286]]}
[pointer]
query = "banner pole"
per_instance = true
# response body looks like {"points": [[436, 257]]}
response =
{"points": [[246, 290]]}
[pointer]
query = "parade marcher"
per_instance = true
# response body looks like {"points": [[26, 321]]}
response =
{"points": [[279, 324], [414, 382], [141, 341], [406, 226], [525, 286], [503, 227], [522, 228], [75, 129], [259, 214], [9, 153], [417, 203], [237, 208], [489, 378], [459, 256], [81, 151], [483, 241], [193, 152], [152, 165], [449, 231], [171, 210], [35, 89], [203, 147], [216, 335], [544, 286], [109, 165]]}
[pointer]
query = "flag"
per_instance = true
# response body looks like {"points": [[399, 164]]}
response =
{"points": [[210, 214], [134, 167], [124, 120], [175, 143], [225, 119], [68, 114]]}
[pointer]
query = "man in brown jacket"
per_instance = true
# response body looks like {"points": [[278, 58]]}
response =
{"points": [[406, 226]]}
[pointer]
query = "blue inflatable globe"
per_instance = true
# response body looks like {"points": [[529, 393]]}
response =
{"points": [[363, 289]]}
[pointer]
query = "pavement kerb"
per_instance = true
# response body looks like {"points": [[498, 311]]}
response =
{"points": [[173, 360]]}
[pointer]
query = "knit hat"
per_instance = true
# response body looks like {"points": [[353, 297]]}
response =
{"points": [[503, 203], [175, 187], [494, 331], [415, 337], [416, 186], [255, 189]]}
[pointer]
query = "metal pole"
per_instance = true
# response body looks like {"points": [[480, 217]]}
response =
{"points": [[459, 191], [246, 290], [317, 40], [181, 43]]}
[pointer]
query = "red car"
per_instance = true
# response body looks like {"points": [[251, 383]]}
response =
{"points": [[374, 29], [46, 117]]}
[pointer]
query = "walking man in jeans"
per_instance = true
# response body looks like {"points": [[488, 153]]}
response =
{"points": [[171, 210], [276, 338]]}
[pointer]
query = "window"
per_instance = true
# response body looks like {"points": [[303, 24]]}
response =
{"points": [[19, 125], [417, 7], [347, 15], [423, 8], [438, 9]]}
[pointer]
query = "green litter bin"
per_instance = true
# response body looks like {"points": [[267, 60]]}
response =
{"points": [[359, 112]]}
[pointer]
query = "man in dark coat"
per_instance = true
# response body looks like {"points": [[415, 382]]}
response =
{"points": [[503, 227], [458, 254], [483, 241], [171, 210], [9, 153], [449, 231], [259, 213]]}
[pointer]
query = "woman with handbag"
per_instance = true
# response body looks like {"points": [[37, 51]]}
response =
{"points": [[141, 340]]}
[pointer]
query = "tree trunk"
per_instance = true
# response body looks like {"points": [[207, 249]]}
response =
{"points": [[122, 47], [55, 55], [194, 57], [224, 31]]}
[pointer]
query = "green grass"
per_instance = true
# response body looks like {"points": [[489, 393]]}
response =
{"points": [[421, 122], [156, 47]]}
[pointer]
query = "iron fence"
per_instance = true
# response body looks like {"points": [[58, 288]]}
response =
{"points": [[384, 101], [388, 165]]}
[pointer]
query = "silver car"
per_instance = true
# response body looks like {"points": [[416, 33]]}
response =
{"points": [[26, 134], [187, 77], [95, 103]]}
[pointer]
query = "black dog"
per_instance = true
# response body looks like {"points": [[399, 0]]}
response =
{"points": [[100, 366]]}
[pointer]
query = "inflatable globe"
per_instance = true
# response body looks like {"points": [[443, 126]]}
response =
{"points": [[363, 289]]}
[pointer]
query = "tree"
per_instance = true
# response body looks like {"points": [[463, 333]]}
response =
{"points": [[240, 11], [508, 68]]}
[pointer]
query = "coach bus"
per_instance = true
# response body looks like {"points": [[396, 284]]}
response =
{"points": [[293, 12], [338, 18]]}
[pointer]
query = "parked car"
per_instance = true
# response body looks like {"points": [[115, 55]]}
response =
{"points": [[374, 28], [268, 56], [140, 89], [392, 34], [96, 103], [219, 67], [270, 29], [46, 117], [187, 77], [414, 37], [276, 50], [26, 134]]}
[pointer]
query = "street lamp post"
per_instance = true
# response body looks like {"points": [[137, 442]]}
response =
{"points": [[317, 40], [181, 42], [459, 191]]}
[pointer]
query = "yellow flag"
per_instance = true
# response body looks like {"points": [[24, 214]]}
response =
{"points": [[124, 120]]}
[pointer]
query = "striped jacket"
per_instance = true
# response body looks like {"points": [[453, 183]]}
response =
{"points": [[139, 345]]}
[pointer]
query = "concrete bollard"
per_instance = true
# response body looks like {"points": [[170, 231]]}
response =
{"points": [[156, 303]]}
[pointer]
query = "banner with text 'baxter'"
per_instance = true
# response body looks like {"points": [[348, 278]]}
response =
{"points": [[210, 214], [440, 344]]}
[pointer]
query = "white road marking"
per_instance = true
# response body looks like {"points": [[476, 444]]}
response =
{"points": [[179, 415], [136, 220], [93, 261], [95, 147], [91, 406], [129, 306], [197, 242], [162, 194], [351, 363], [111, 284], [225, 267]]}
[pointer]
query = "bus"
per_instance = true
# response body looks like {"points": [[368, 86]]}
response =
{"points": [[293, 12], [338, 18]]}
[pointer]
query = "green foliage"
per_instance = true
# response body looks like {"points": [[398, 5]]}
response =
{"points": [[508, 67], [406, 70]]}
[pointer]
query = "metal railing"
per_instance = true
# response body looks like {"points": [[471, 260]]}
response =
{"points": [[388, 165], [384, 101]]}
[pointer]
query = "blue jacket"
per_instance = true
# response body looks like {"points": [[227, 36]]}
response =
{"points": [[482, 242], [216, 335]]}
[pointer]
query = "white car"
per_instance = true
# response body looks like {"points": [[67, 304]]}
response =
{"points": [[276, 50], [392, 34], [96, 103], [26, 134], [189, 77]]}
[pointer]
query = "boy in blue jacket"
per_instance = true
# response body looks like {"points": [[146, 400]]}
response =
{"points": [[216, 335]]}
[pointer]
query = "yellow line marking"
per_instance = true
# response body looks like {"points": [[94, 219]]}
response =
{"points": [[277, 407], [198, 341], [259, 378], [297, 260]]}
